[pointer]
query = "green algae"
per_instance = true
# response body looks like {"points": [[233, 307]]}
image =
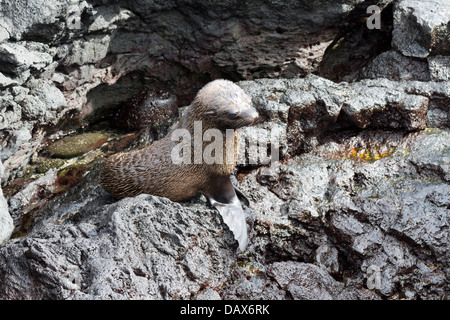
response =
{"points": [[44, 164], [76, 145]]}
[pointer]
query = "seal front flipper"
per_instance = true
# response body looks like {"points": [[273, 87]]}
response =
{"points": [[234, 217], [223, 197]]}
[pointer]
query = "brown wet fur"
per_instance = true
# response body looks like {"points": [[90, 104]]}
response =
{"points": [[151, 169]]}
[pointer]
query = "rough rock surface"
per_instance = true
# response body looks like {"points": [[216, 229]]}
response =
{"points": [[302, 108], [411, 44], [142, 247], [357, 207], [394, 66]]}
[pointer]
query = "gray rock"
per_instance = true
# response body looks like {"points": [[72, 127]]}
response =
{"points": [[16, 59], [18, 139], [358, 202], [90, 50], [45, 103], [19, 204], [208, 294], [351, 197], [303, 107], [309, 282], [394, 66], [436, 163], [20, 148], [4, 34], [327, 257], [420, 27], [21, 109], [6, 81], [107, 18], [372, 105], [23, 16]]}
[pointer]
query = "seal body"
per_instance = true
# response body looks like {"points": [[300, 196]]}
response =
{"points": [[220, 107]]}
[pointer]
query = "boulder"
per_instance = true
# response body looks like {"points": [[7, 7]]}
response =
{"points": [[421, 28], [141, 248], [355, 208], [6, 222]]}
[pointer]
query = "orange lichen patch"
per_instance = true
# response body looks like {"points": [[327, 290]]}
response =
{"points": [[15, 186], [73, 146], [369, 154], [120, 143]]}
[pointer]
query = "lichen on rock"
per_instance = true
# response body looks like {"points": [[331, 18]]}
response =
{"points": [[75, 145]]}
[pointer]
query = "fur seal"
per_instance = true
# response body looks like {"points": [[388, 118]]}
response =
{"points": [[220, 105]]}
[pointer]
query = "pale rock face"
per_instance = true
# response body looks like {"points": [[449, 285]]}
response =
{"points": [[363, 179], [420, 27]]}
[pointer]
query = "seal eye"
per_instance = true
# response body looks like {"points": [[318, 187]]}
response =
{"points": [[233, 115]]}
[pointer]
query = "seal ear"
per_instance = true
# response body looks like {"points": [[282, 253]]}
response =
{"points": [[209, 113], [234, 217], [242, 197], [223, 197]]}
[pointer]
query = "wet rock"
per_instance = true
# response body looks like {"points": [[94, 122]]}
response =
{"points": [[420, 28], [439, 68], [6, 222], [309, 282], [208, 294], [107, 18], [44, 104], [72, 146], [436, 163], [142, 248], [10, 111], [42, 165], [32, 196], [357, 45], [22, 16], [16, 62], [366, 206], [149, 109], [394, 66]]}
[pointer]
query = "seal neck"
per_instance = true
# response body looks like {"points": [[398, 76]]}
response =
{"points": [[204, 138]]}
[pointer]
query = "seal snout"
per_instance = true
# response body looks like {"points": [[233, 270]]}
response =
{"points": [[244, 117]]}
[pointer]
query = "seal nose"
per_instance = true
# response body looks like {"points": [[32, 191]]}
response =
{"points": [[251, 114]]}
